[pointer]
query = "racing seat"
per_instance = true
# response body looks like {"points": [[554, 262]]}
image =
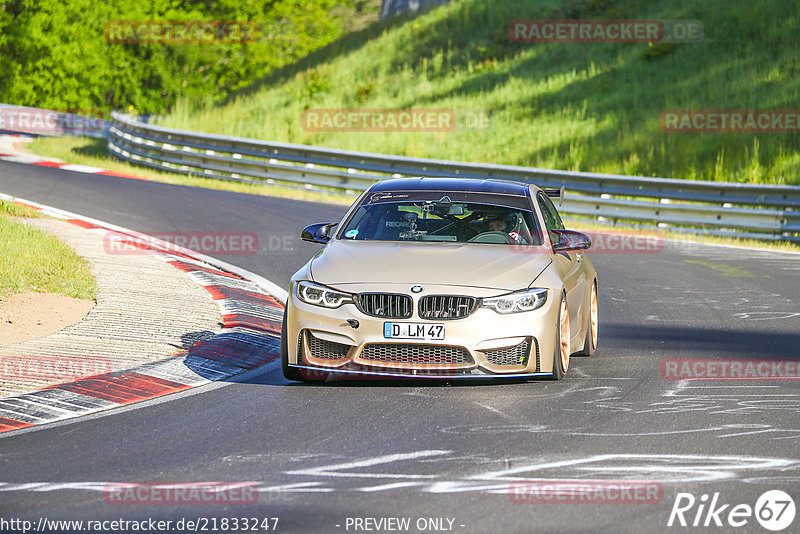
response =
{"points": [[391, 224]]}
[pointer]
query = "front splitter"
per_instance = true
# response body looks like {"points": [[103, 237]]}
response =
{"points": [[324, 372]]}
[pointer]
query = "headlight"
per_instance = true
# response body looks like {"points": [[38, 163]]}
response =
{"points": [[320, 295], [520, 301]]}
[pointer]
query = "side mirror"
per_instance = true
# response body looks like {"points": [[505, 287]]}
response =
{"points": [[571, 240], [318, 233]]}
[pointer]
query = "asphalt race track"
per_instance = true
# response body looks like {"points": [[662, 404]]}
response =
{"points": [[323, 454]]}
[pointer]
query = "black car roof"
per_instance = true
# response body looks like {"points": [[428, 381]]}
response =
{"points": [[471, 185]]}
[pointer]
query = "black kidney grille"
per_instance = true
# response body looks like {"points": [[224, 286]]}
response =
{"points": [[446, 306], [388, 305]]}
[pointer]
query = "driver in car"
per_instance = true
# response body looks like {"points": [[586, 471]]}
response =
{"points": [[499, 223]]}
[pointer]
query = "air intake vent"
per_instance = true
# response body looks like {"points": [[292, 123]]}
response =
{"points": [[517, 355], [410, 353], [326, 350]]}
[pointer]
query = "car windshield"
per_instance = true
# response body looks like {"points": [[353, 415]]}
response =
{"points": [[455, 222]]}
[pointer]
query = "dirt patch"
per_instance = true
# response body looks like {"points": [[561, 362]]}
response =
{"points": [[20, 148], [26, 316]]}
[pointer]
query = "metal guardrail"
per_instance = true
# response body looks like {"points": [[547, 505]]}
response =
{"points": [[748, 210]]}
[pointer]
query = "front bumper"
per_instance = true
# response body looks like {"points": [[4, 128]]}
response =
{"points": [[323, 344]]}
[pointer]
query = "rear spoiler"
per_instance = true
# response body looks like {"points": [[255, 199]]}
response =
{"points": [[555, 193]]}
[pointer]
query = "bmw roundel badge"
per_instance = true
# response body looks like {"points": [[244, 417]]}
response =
{"points": [[416, 289]]}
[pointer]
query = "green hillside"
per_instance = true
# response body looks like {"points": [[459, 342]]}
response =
{"points": [[588, 107]]}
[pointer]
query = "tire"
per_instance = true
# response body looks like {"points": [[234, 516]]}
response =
{"points": [[590, 339], [561, 349], [290, 373]]}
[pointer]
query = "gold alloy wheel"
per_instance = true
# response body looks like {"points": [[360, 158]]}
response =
{"points": [[564, 331], [593, 317]]}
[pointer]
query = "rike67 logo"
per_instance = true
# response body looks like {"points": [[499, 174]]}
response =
{"points": [[774, 510]]}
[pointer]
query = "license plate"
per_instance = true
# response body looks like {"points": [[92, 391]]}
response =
{"points": [[424, 331]]}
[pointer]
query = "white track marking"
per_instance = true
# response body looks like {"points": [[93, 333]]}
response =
{"points": [[335, 469]]}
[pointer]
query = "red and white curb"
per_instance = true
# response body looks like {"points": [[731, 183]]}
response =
{"points": [[31, 159], [251, 308]]}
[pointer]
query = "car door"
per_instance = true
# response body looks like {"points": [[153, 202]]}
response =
{"points": [[569, 267]]}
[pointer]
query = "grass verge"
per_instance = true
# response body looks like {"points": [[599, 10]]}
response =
{"points": [[32, 260]]}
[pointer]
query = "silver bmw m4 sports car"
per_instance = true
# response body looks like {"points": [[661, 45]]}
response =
{"points": [[442, 278]]}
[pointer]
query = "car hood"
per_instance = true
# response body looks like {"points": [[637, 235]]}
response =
{"points": [[462, 264]]}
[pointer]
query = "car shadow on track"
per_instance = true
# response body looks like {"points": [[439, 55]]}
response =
{"points": [[401, 383]]}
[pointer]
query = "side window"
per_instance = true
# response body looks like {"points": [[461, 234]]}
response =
{"points": [[551, 218]]}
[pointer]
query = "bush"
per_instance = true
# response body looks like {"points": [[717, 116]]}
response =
{"points": [[54, 54]]}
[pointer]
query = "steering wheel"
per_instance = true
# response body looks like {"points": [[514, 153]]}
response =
{"points": [[466, 222], [498, 237]]}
